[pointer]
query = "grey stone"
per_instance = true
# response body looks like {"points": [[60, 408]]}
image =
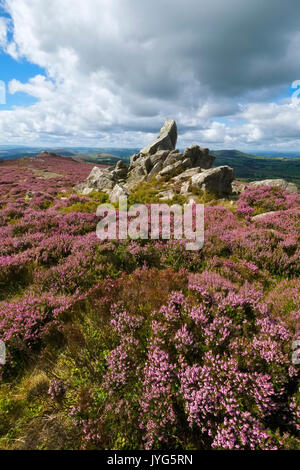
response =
{"points": [[117, 192], [216, 180], [168, 170], [186, 163], [261, 216], [166, 140], [156, 169], [167, 195], [161, 155], [173, 158], [238, 188], [83, 189], [281, 183], [187, 174], [98, 180], [185, 188], [199, 157]]}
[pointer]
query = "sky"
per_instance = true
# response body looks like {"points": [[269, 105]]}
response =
{"points": [[107, 73]]}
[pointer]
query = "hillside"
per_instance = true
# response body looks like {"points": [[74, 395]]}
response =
{"points": [[249, 167], [125, 344]]}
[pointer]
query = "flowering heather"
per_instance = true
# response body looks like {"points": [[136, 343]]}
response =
{"points": [[143, 344]]}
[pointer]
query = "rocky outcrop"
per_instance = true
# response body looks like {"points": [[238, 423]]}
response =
{"points": [[162, 161]]}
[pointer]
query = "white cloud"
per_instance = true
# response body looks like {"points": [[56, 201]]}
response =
{"points": [[115, 69]]}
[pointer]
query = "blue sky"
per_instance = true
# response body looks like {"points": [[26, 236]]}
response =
{"points": [[22, 71], [101, 73]]}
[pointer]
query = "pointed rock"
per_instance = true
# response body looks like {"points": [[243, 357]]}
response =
{"points": [[166, 140]]}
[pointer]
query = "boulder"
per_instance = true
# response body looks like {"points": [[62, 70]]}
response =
{"points": [[117, 192], [281, 183], [136, 175], [166, 140], [173, 158], [159, 156], [238, 188], [98, 180], [216, 180], [187, 174], [168, 170], [120, 171], [199, 157]]}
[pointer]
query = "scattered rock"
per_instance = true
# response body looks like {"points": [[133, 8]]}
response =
{"points": [[185, 188], [238, 188], [261, 216], [281, 183], [167, 195]]}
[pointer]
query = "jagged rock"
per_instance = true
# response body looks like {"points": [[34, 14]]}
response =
{"points": [[216, 180], [159, 156], [187, 174], [120, 171], [133, 159], [165, 141], [281, 183], [83, 189], [98, 180], [146, 163], [135, 176], [117, 192], [156, 169], [160, 159], [173, 158], [199, 157], [186, 163], [168, 170]]}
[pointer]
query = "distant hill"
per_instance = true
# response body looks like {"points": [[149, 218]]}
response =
{"points": [[247, 167], [101, 158], [254, 167]]}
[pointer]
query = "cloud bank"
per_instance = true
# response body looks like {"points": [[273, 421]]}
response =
{"points": [[115, 69]]}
